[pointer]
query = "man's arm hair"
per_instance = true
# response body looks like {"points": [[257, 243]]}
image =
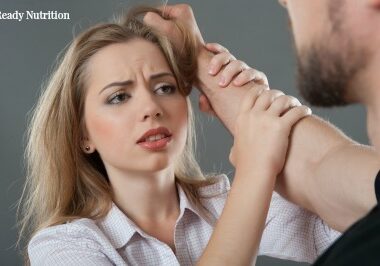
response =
{"points": [[325, 172]]}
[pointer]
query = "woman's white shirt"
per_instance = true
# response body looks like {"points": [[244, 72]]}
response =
{"points": [[290, 233]]}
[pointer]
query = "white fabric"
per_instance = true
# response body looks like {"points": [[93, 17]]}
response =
{"points": [[290, 233]]}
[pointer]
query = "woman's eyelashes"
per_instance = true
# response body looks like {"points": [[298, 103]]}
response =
{"points": [[122, 96], [118, 97], [162, 89]]}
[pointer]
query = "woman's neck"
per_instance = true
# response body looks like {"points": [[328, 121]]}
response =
{"points": [[147, 198]]}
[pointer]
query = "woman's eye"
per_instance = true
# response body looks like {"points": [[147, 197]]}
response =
{"points": [[166, 89], [118, 97]]}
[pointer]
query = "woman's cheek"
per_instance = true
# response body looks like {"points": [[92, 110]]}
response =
{"points": [[103, 130]]}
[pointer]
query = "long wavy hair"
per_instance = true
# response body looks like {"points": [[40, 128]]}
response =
{"points": [[64, 183]]}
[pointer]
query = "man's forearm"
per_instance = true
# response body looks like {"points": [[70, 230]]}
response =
{"points": [[329, 174], [325, 172], [219, 96]]}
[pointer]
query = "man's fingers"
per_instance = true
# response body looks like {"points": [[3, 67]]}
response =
{"points": [[230, 71], [154, 20], [218, 61], [175, 11], [216, 48], [248, 75], [168, 11]]}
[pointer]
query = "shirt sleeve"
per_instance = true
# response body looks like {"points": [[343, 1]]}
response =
{"points": [[294, 233], [55, 246]]}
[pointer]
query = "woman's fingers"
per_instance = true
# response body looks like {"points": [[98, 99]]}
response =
{"points": [[282, 104], [295, 114], [250, 99], [266, 99]]}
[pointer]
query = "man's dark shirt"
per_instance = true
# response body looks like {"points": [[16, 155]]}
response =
{"points": [[360, 244]]}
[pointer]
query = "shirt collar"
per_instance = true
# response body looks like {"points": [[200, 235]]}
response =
{"points": [[120, 229], [185, 203]]}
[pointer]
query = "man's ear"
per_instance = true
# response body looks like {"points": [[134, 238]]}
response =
{"points": [[374, 3]]}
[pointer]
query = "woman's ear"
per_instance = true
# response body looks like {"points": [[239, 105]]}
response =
{"points": [[86, 145]]}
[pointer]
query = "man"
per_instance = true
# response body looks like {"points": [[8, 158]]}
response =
{"points": [[338, 176], [339, 61]]}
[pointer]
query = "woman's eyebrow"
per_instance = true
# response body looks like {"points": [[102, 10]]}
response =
{"points": [[130, 82], [117, 83], [162, 74]]}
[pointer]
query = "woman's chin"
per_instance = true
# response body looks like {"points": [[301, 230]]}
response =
{"points": [[155, 164], [158, 165]]}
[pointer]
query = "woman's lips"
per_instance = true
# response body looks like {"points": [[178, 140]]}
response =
{"points": [[154, 132], [157, 144]]}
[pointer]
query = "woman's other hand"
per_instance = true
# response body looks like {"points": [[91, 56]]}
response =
{"points": [[262, 129]]}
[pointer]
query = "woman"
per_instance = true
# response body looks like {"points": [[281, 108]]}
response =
{"points": [[112, 176]]}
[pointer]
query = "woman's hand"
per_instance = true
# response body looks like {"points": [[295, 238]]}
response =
{"points": [[262, 129]]}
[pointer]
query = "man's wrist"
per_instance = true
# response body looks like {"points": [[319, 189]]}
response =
{"points": [[204, 57]]}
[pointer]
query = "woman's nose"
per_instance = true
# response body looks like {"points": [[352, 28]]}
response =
{"points": [[151, 108], [154, 114]]}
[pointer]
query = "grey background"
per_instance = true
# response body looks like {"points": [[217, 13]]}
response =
{"points": [[255, 31]]}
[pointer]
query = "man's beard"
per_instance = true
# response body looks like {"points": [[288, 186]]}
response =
{"points": [[323, 76], [327, 69]]}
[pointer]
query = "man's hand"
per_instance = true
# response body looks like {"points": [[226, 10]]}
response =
{"points": [[231, 71], [175, 16], [224, 102]]}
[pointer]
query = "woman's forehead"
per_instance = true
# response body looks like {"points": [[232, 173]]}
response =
{"points": [[135, 52], [126, 60]]}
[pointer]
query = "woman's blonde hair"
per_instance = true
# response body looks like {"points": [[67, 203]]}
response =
{"points": [[64, 183]]}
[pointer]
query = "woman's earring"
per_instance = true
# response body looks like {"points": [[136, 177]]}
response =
{"points": [[87, 148]]}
